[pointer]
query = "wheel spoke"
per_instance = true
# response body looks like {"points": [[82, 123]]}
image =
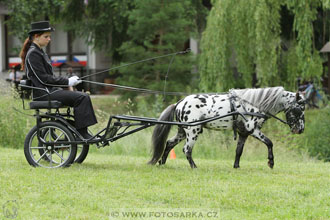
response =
{"points": [[42, 156], [38, 147], [62, 159], [58, 137], [50, 134], [51, 160], [42, 139]]}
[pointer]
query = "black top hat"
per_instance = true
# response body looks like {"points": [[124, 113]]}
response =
{"points": [[40, 26]]}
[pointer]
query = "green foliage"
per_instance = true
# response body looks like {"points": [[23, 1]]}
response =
{"points": [[289, 69], [317, 134], [14, 125], [214, 62], [267, 17], [24, 12], [157, 28], [102, 23], [244, 46], [315, 139], [309, 62], [243, 39], [326, 4]]}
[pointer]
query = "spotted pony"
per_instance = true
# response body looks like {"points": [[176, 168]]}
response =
{"points": [[257, 106]]}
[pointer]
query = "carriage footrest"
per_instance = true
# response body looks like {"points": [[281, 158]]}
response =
{"points": [[112, 131], [45, 104]]}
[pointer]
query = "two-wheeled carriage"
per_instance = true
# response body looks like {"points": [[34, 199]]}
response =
{"points": [[54, 141]]}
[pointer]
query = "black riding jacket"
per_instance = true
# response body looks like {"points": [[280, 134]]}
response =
{"points": [[39, 69]]}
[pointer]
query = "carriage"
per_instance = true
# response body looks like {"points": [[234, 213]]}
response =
{"points": [[54, 141]]}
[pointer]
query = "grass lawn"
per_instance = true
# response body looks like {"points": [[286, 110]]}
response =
{"points": [[116, 178], [106, 182]]}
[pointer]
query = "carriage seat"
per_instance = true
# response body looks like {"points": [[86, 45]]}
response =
{"points": [[46, 104], [41, 104]]}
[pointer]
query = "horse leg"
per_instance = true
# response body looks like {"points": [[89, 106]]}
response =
{"points": [[260, 136], [239, 149], [188, 147], [171, 143]]}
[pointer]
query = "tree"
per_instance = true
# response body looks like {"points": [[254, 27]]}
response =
{"points": [[245, 40], [157, 28], [102, 24], [23, 12]]}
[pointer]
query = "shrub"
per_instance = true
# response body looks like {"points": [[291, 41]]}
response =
{"points": [[14, 125], [317, 134]]}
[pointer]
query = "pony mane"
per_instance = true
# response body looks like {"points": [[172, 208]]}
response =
{"points": [[266, 99]]}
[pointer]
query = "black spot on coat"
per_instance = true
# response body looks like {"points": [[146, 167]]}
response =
{"points": [[203, 100]]}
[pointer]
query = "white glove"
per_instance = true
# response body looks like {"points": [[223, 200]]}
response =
{"points": [[74, 80]]}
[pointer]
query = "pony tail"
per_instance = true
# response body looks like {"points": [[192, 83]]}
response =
{"points": [[160, 134], [24, 50]]}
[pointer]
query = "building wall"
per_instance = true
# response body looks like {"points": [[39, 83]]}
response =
{"points": [[58, 49], [59, 43], [2, 44]]}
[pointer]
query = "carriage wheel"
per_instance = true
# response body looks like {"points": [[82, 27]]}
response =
{"points": [[82, 151], [52, 155]]}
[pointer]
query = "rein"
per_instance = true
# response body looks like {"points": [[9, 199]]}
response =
{"points": [[281, 120], [142, 90], [139, 61], [128, 88]]}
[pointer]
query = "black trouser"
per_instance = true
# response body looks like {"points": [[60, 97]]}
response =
{"points": [[84, 115]]}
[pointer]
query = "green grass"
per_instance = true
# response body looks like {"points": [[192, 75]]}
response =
{"points": [[297, 189]]}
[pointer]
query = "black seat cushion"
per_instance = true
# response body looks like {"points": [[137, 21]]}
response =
{"points": [[45, 104]]}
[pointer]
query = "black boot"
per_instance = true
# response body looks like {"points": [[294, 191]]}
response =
{"points": [[84, 133]]}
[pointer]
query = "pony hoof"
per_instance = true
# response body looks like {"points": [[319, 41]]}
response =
{"points": [[193, 166], [236, 165], [271, 164]]}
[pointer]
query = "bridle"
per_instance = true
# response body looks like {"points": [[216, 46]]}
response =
{"points": [[296, 108]]}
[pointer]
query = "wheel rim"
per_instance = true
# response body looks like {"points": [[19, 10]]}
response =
{"points": [[80, 148], [52, 156]]}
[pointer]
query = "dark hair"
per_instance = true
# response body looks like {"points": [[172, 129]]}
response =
{"points": [[26, 45]]}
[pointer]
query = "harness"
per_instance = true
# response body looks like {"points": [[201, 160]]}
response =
{"points": [[233, 108]]}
